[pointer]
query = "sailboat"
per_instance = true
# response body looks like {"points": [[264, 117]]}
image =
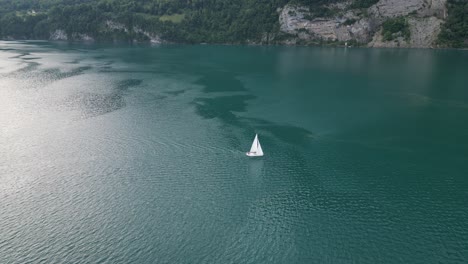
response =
{"points": [[256, 149]]}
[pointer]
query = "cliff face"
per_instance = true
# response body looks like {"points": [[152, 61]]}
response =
{"points": [[295, 20], [423, 20], [61, 35], [373, 23]]}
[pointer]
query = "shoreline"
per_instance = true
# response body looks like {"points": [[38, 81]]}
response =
{"points": [[331, 45]]}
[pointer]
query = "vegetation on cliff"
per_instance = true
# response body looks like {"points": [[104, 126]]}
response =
{"points": [[395, 27], [213, 21], [189, 21], [455, 30], [363, 3]]}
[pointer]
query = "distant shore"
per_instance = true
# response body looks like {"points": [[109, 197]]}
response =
{"points": [[326, 45]]}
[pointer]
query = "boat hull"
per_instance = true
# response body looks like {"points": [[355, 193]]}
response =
{"points": [[253, 154]]}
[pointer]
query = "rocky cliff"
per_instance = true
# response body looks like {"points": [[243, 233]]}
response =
{"points": [[373, 23], [376, 26]]}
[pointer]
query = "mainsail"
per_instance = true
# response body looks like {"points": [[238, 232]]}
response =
{"points": [[256, 149]]}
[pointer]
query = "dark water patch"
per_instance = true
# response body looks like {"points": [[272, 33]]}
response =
{"points": [[31, 58], [100, 57], [104, 69], [58, 75], [177, 92], [38, 77], [225, 107], [75, 61], [31, 66], [92, 104], [97, 104], [222, 107], [152, 100], [106, 65], [22, 72], [220, 82], [289, 134], [20, 55], [125, 84], [80, 70]]}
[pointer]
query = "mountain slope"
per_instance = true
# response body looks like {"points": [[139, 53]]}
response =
{"points": [[384, 23]]}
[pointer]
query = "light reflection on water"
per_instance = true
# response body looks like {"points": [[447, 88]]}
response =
{"points": [[136, 154]]}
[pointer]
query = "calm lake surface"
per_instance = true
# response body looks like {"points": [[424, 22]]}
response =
{"points": [[136, 154]]}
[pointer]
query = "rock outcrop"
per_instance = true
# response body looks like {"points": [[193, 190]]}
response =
{"points": [[82, 37], [395, 8], [58, 34], [153, 38], [424, 19], [112, 25], [295, 21], [424, 31]]}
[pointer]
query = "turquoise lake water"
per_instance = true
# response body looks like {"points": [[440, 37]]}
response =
{"points": [[136, 154]]}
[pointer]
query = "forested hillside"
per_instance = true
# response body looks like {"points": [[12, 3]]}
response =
{"points": [[188, 21], [174, 20], [455, 31]]}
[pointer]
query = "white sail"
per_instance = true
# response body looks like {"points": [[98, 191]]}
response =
{"points": [[253, 149], [259, 148], [256, 149]]}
